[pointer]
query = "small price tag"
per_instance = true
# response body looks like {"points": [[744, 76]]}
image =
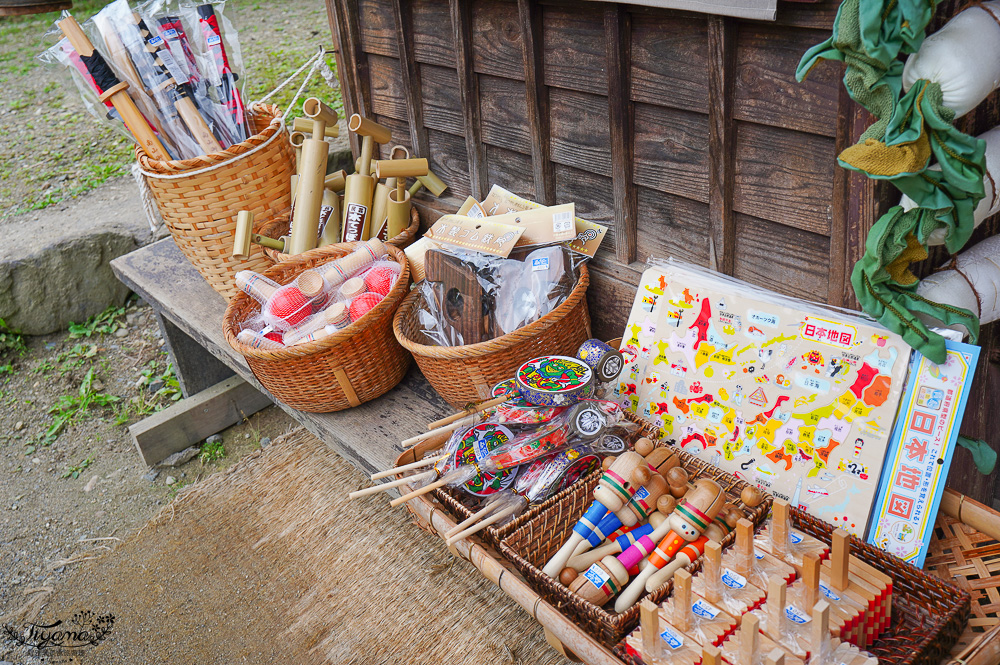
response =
{"points": [[795, 615], [828, 592], [562, 222], [673, 638], [540, 264], [795, 537], [213, 40], [597, 576], [758, 554], [732, 579], [703, 609]]}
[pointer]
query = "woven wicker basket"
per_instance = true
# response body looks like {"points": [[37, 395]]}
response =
{"points": [[278, 227], [464, 374], [533, 544], [354, 365], [199, 198]]}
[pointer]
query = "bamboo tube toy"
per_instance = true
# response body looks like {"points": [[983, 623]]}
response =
{"points": [[701, 620], [179, 93], [380, 201], [407, 467], [610, 494], [244, 236], [360, 186], [329, 219], [114, 89], [398, 202], [335, 181], [296, 139], [331, 131], [309, 187], [434, 184], [687, 523]]}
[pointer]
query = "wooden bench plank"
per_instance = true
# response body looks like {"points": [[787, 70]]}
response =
{"points": [[367, 436], [193, 419]]}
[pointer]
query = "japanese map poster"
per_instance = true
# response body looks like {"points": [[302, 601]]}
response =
{"points": [[793, 397], [920, 456]]}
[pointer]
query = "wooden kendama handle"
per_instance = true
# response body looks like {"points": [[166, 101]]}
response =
{"points": [[339, 271]]}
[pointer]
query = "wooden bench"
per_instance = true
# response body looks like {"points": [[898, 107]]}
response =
{"points": [[220, 389]]}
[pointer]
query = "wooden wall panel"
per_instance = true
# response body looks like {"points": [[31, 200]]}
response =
{"points": [[388, 95], [671, 226], [496, 39], [574, 48], [670, 60], [609, 300], [400, 136], [782, 258], [511, 170], [505, 114], [442, 100], [592, 195], [580, 134], [378, 32], [766, 89], [817, 15], [450, 162], [432, 42], [785, 176], [671, 151]]}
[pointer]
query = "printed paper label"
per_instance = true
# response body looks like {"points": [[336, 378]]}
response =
{"points": [[758, 554], [597, 576], [703, 609], [356, 214], [170, 34], [795, 537], [539, 264], [562, 222], [479, 235], [213, 40], [795, 615], [672, 637], [732, 579], [828, 592]]}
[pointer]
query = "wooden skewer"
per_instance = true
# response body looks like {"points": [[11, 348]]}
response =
{"points": [[482, 525], [420, 438], [406, 467], [375, 489], [479, 408], [418, 492]]}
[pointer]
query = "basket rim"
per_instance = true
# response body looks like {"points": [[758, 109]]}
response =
{"points": [[299, 351], [282, 218], [465, 352], [174, 168]]}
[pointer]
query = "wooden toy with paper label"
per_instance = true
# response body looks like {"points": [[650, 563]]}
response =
{"points": [[748, 646], [684, 526], [657, 642], [785, 624], [863, 584], [845, 614], [398, 203], [694, 616], [360, 186], [725, 587], [312, 172], [788, 544], [720, 527], [754, 565]]}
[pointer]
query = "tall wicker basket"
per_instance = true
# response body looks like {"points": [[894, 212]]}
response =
{"points": [[199, 198], [464, 374]]}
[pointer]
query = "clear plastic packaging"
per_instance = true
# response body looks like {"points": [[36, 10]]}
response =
{"points": [[468, 297]]}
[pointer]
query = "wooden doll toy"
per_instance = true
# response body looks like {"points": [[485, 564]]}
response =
{"points": [[694, 616], [720, 527], [616, 545], [114, 90], [398, 205], [611, 494], [724, 587], [687, 524], [784, 542], [785, 624], [755, 566], [656, 642], [312, 173], [748, 646], [359, 187]]}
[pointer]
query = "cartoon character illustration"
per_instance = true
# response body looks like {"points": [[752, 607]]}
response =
{"points": [[674, 317], [649, 303], [678, 370], [688, 298]]}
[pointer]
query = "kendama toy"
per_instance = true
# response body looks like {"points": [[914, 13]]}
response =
{"points": [[725, 587], [684, 541], [359, 187], [694, 616], [398, 202], [312, 173], [281, 306], [617, 543], [755, 566], [611, 494], [785, 543], [325, 323]]}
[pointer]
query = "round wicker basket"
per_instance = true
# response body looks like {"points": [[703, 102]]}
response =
{"points": [[464, 374], [199, 197], [354, 365]]}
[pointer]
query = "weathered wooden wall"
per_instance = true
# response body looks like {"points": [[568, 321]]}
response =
{"points": [[686, 134]]}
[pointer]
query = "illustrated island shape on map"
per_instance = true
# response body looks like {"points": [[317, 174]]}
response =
{"points": [[798, 401]]}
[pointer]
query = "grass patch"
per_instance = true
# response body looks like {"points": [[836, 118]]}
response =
{"points": [[212, 452], [11, 341], [75, 471], [71, 408], [105, 323]]}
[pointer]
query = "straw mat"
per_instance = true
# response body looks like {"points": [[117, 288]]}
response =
{"points": [[270, 562]]}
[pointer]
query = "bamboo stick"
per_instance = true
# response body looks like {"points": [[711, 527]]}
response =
{"points": [[479, 408], [407, 467], [971, 512], [418, 492], [482, 525], [383, 487]]}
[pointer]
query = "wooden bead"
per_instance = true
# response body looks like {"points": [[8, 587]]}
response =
{"points": [[641, 475], [677, 479], [607, 462], [567, 576], [666, 504], [751, 496], [644, 446], [662, 460]]}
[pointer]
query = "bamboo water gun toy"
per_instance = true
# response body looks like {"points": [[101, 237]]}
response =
{"points": [[312, 173], [360, 186], [224, 78], [542, 479], [113, 89], [302, 125], [398, 206], [686, 523], [179, 93], [582, 422], [434, 184], [380, 199]]}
